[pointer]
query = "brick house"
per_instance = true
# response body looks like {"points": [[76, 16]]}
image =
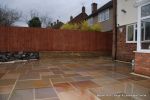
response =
{"points": [[131, 38], [79, 18], [103, 15]]}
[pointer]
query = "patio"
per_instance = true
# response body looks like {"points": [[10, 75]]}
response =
{"points": [[71, 79]]}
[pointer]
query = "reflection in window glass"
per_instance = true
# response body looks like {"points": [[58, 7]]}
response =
{"points": [[146, 34], [145, 10], [147, 31], [130, 32], [103, 16]]}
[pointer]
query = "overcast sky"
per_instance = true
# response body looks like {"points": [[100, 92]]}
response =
{"points": [[56, 9]]}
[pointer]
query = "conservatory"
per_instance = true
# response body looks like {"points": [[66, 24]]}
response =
{"points": [[142, 55]]}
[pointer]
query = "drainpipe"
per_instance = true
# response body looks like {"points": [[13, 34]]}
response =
{"points": [[114, 51]]}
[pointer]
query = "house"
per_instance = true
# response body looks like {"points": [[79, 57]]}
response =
{"points": [[57, 25], [79, 18], [131, 38], [103, 15]]}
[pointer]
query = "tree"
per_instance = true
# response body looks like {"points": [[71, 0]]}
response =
{"points": [[34, 22], [44, 19], [8, 16]]}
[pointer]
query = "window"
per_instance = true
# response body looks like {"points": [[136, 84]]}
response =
{"points": [[103, 16], [90, 21], [147, 31], [145, 10], [131, 33], [145, 34]]}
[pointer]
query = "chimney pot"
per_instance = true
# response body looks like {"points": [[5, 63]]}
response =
{"points": [[71, 17], [57, 21], [83, 9]]}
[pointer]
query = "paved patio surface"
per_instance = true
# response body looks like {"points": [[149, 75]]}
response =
{"points": [[71, 79]]}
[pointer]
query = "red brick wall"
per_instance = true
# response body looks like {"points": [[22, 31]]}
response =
{"points": [[142, 63], [37, 39], [124, 50]]}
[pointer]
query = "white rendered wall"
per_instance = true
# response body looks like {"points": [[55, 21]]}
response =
{"points": [[131, 14]]}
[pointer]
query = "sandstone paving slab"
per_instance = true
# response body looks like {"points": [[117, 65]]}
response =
{"points": [[30, 84], [44, 93], [11, 76], [27, 94], [1, 75], [6, 89], [52, 76], [77, 95], [6, 82], [29, 76], [84, 84], [71, 75], [61, 87], [61, 80], [4, 96]]}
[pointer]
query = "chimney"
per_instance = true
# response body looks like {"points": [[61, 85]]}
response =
{"points": [[71, 18], [83, 9], [94, 7], [57, 21]]}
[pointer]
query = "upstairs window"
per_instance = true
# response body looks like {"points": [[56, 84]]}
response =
{"points": [[90, 21], [104, 16], [145, 11]]}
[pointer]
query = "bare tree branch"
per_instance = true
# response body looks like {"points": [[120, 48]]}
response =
{"points": [[8, 16]]}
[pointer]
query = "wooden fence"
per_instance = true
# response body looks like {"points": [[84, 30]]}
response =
{"points": [[37, 39]]}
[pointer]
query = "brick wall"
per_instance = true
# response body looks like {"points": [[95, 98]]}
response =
{"points": [[124, 50], [142, 63]]}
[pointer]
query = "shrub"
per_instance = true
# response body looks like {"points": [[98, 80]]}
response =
{"points": [[85, 26], [67, 26], [76, 26], [70, 26], [96, 27]]}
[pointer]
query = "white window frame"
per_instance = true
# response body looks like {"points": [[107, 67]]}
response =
{"points": [[104, 14], [135, 28], [140, 18]]}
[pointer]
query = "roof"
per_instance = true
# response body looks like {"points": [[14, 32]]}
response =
{"points": [[79, 18], [106, 6]]}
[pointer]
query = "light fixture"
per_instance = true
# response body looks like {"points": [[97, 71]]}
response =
{"points": [[124, 11]]}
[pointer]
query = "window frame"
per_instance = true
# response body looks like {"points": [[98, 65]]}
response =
{"points": [[91, 21], [103, 14], [134, 38]]}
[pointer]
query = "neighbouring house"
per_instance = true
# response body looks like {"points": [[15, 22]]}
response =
{"points": [[131, 38], [79, 18], [57, 25], [103, 15]]}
